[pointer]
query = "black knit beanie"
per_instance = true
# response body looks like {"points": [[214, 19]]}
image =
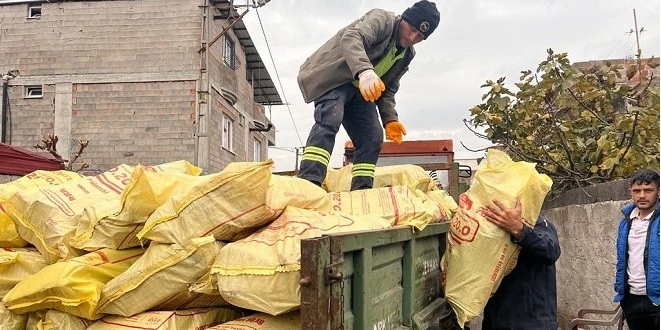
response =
{"points": [[423, 16]]}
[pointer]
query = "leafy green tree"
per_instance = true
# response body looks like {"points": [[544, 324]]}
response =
{"points": [[580, 125]]}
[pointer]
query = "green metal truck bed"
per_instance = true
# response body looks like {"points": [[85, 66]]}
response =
{"points": [[376, 280]]}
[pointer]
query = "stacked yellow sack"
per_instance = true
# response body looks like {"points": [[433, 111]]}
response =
{"points": [[105, 226], [286, 191], [160, 279], [16, 265], [224, 205], [8, 233], [73, 286], [261, 321], [12, 321], [34, 320], [194, 319], [207, 284], [478, 253], [47, 217], [55, 320], [447, 205], [412, 176], [261, 272], [400, 205]]}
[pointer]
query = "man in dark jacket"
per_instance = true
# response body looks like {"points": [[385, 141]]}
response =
{"points": [[637, 267], [526, 298], [353, 73]]}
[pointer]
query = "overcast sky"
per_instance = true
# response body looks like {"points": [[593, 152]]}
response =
{"points": [[475, 41]]}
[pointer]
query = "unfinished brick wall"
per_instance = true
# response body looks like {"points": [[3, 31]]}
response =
{"points": [[124, 75], [99, 37], [148, 123]]}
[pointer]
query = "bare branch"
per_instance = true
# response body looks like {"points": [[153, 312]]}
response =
{"points": [[473, 150], [50, 145], [82, 167], [82, 146], [480, 135]]}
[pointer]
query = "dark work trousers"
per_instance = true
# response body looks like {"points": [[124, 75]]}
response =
{"points": [[639, 312], [344, 106]]}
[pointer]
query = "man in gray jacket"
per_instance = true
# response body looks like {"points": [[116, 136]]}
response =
{"points": [[350, 76]]}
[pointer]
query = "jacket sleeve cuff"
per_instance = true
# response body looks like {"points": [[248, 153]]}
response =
{"points": [[526, 232]]}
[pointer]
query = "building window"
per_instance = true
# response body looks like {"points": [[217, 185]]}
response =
{"points": [[229, 56], [34, 11], [228, 133], [34, 92], [257, 151]]}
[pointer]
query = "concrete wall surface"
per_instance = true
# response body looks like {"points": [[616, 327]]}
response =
{"points": [[586, 268], [587, 221]]}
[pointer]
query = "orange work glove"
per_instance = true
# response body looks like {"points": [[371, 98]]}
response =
{"points": [[394, 131], [370, 85]]}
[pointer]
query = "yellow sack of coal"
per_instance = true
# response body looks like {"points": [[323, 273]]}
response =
{"points": [[159, 280], [73, 286], [261, 272], [448, 206], [413, 176], [478, 253], [16, 264], [12, 321], [146, 190], [207, 284], [37, 179], [47, 217], [261, 321], [223, 205], [55, 320], [35, 319], [286, 191], [193, 319], [8, 233], [400, 205]]}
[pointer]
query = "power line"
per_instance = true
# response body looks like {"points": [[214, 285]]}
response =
{"points": [[278, 76], [290, 149], [618, 43]]}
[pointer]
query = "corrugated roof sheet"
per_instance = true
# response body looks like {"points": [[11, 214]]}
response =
{"points": [[17, 161]]}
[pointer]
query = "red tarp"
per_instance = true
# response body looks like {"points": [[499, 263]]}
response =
{"points": [[17, 161]]}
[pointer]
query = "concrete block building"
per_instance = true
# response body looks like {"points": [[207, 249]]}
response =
{"points": [[145, 81]]}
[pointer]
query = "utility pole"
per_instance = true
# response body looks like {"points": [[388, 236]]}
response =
{"points": [[638, 55]]}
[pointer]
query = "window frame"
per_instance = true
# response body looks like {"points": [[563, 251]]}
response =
{"points": [[30, 92], [34, 11], [227, 133], [257, 150], [229, 53]]}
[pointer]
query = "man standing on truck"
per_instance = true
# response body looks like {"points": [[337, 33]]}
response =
{"points": [[350, 76], [527, 297], [637, 267]]}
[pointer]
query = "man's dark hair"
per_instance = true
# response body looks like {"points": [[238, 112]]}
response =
{"points": [[645, 176]]}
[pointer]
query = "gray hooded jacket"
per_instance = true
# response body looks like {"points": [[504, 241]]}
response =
{"points": [[352, 50]]}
